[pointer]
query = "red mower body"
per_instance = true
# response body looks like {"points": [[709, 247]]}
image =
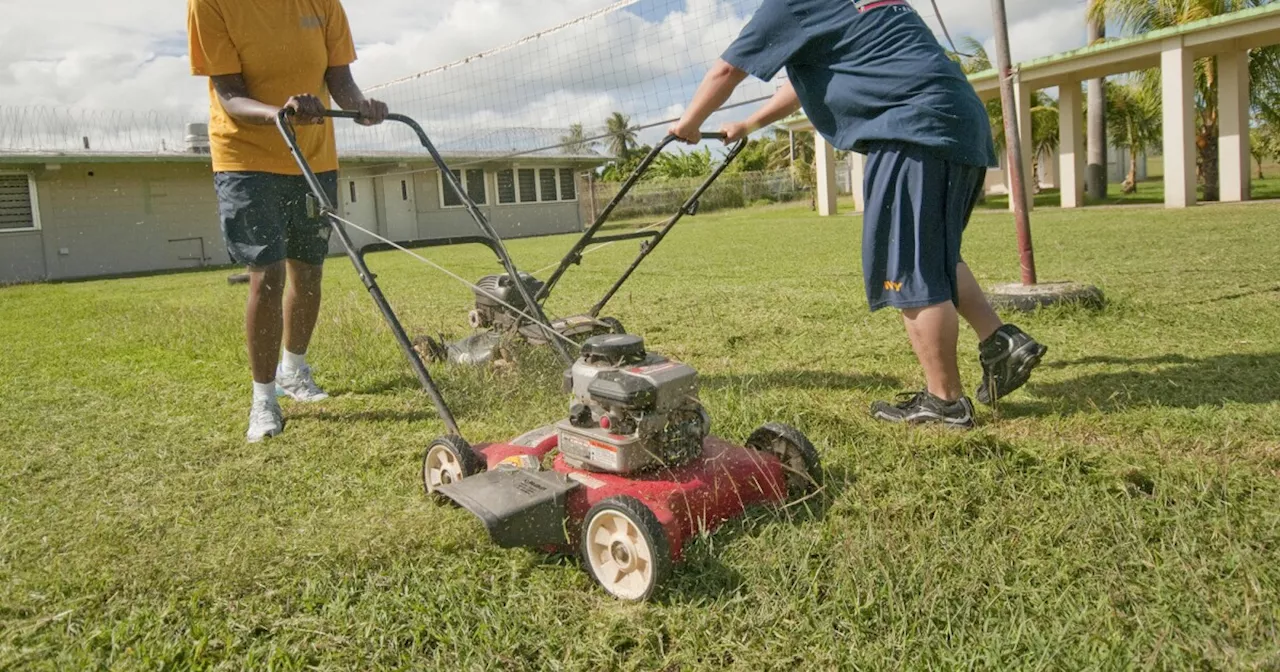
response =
{"points": [[687, 500]]}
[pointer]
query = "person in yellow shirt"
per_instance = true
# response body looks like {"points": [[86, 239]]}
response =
{"points": [[261, 57]]}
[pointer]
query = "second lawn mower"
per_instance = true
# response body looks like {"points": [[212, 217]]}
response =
{"points": [[499, 299]]}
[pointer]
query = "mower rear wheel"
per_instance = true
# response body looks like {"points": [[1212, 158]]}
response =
{"points": [[477, 319], [800, 463], [449, 459], [625, 548]]}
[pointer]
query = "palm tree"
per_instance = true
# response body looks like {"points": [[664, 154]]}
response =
{"points": [[621, 136], [977, 61], [1044, 111], [1133, 121], [575, 141], [1044, 133], [1136, 17], [780, 150]]}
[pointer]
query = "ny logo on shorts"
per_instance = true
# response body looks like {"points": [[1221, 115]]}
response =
{"points": [[892, 286]]}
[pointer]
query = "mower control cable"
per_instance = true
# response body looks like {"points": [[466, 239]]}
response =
{"points": [[455, 276]]}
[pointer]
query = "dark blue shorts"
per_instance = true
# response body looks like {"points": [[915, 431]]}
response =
{"points": [[917, 208], [264, 217]]}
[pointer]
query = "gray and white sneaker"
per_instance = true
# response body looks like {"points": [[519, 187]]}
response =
{"points": [[298, 385], [921, 408], [1008, 357], [265, 420]]}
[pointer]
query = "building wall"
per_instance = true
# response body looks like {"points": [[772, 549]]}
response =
{"points": [[101, 219], [104, 219], [434, 221], [21, 257]]}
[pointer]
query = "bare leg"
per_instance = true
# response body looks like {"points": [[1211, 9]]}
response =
{"points": [[301, 305], [263, 320], [934, 331], [974, 307]]}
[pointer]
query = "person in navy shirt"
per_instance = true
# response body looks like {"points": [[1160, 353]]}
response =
{"points": [[872, 79]]}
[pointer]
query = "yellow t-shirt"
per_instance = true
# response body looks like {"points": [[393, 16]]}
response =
{"points": [[282, 49]]}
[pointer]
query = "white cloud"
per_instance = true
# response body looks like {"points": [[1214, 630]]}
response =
{"points": [[132, 55]]}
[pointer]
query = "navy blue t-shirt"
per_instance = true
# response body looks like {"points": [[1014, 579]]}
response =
{"points": [[868, 71]]}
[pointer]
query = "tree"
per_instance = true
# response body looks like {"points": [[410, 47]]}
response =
{"points": [[575, 141], [1136, 17], [621, 136], [1044, 133], [679, 164], [1264, 143], [1134, 120], [1044, 111], [618, 171]]}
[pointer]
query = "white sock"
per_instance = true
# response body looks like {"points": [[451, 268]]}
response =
{"points": [[291, 362], [263, 391]]}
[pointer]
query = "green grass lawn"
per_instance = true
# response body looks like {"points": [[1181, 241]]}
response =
{"points": [[1150, 191], [1121, 511]]}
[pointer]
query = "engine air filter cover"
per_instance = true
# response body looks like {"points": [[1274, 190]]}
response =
{"points": [[615, 348]]}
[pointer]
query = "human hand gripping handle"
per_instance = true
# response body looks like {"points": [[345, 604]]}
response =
{"points": [[372, 112], [375, 115], [305, 109]]}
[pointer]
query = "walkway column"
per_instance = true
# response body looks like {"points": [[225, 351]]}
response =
{"points": [[825, 167], [1234, 165], [857, 176], [1071, 157], [1177, 76], [1023, 96]]}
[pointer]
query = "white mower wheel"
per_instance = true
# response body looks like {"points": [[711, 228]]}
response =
{"points": [[799, 458], [448, 459], [625, 548]]}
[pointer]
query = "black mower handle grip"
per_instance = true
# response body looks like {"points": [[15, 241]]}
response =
{"points": [[706, 135], [286, 112]]}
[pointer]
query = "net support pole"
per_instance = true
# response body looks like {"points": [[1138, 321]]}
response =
{"points": [[1013, 143]]}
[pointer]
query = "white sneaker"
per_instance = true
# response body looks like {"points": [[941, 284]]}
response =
{"points": [[265, 420], [298, 385]]}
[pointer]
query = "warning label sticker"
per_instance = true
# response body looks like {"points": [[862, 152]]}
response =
{"points": [[604, 455]]}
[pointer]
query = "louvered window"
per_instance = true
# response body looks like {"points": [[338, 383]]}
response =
{"points": [[16, 210]]}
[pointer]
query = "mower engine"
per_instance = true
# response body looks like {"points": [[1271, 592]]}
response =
{"points": [[631, 410], [489, 312]]}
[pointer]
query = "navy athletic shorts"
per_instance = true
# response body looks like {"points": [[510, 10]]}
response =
{"points": [[918, 206], [264, 217]]}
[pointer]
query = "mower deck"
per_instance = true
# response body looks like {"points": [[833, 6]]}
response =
{"points": [[525, 507]]}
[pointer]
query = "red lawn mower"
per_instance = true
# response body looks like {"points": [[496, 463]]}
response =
{"points": [[629, 476]]}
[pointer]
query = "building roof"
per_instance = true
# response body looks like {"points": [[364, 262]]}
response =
{"points": [[41, 157]]}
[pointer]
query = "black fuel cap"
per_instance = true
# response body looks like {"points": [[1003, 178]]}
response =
{"points": [[614, 347]]}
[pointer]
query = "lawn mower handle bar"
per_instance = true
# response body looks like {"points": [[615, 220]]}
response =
{"points": [[451, 182], [366, 277], [575, 255]]}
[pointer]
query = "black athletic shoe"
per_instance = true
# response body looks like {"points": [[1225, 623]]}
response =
{"points": [[1008, 358], [917, 408]]}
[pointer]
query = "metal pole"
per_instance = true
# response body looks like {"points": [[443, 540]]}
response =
{"points": [[1013, 141]]}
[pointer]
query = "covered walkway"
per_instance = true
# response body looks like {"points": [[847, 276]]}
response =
{"points": [[1175, 50]]}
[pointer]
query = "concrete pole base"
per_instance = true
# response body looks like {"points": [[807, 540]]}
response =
{"points": [[1026, 298], [238, 279]]}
